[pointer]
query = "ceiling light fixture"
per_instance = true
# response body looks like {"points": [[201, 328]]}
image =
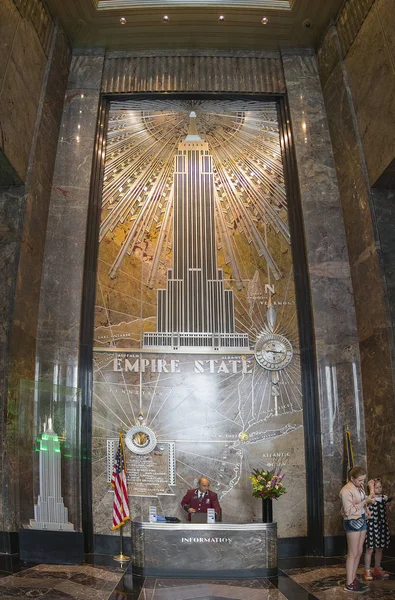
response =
{"points": [[122, 20], [165, 17], [221, 18], [265, 20]]}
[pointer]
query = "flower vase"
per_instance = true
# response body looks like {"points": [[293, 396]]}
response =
{"points": [[267, 510]]}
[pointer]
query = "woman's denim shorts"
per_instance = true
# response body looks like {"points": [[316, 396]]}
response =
{"points": [[348, 528]]}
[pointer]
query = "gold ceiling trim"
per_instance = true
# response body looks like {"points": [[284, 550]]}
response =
{"points": [[264, 4], [130, 74]]}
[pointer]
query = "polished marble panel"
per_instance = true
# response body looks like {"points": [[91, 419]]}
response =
{"points": [[9, 19], [59, 326], [386, 13], [336, 338], [20, 94], [11, 219], [364, 214], [384, 208], [185, 548], [350, 20], [328, 55], [86, 70], [370, 69], [29, 253]]}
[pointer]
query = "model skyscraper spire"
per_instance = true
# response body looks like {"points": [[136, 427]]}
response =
{"points": [[195, 310], [193, 135], [50, 512]]}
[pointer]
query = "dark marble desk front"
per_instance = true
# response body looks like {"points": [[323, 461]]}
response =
{"points": [[220, 549]]}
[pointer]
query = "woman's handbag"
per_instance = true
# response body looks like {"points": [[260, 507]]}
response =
{"points": [[356, 524]]}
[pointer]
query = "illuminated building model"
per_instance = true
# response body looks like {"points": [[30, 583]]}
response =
{"points": [[50, 512]]}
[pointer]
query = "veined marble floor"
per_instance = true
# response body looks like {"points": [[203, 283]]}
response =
{"points": [[94, 580], [327, 582], [101, 578]]}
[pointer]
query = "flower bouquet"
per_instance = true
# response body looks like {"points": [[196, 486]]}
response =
{"points": [[267, 485]]}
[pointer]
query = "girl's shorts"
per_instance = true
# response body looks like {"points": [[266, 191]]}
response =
{"points": [[354, 525]]}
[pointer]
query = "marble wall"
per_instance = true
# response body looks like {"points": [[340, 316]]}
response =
{"points": [[11, 219], [24, 212], [361, 150], [384, 212], [336, 339], [333, 306], [370, 67], [59, 324], [23, 57]]}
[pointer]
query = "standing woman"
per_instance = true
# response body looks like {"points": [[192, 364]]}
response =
{"points": [[354, 510]]}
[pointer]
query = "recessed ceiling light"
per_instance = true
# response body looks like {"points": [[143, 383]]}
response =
{"points": [[122, 20], [221, 18], [165, 17], [265, 20]]}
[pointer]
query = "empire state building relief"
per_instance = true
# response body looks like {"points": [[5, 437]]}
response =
{"points": [[195, 309]]}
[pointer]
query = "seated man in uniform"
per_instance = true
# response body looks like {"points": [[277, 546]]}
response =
{"points": [[201, 499]]}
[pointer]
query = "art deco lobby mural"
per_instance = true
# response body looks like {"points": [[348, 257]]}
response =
{"points": [[196, 340]]}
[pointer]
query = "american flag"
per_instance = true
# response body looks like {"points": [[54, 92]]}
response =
{"points": [[120, 511]]}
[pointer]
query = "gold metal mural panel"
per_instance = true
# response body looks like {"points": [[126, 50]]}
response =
{"points": [[196, 323]]}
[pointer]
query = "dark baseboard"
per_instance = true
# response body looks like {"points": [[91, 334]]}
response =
{"points": [[51, 547], [335, 545], [110, 544], [391, 550], [9, 542], [287, 547]]}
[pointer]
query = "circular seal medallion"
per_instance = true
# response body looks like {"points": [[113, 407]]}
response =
{"points": [[140, 439], [273, 352]]}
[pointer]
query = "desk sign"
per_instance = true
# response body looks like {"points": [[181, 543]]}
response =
{"points": [[210, 515]]}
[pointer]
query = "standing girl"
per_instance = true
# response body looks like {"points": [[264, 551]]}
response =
{"points": [[378, 534], [354, 508]]}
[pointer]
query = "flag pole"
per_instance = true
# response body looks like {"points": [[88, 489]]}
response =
{"points": [[121, 557], [349, 450]]}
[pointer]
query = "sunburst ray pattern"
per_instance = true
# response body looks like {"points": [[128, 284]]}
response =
{"points": [[141, 147]]}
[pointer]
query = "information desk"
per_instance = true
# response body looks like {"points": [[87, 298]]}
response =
{"points": [[203, 550]]}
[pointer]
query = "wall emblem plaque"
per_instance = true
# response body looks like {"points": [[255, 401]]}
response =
{"points": [[140, 439]]}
